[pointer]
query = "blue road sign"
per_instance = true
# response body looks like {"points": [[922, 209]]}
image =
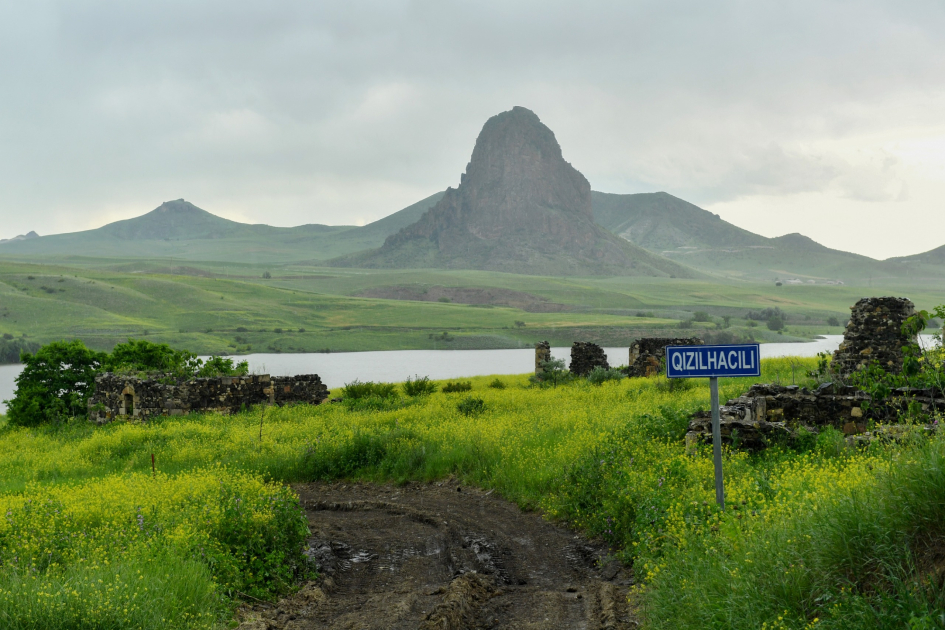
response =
{"points": [[713, 361]]}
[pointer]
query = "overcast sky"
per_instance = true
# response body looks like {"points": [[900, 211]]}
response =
{"points": [[824, 118]]}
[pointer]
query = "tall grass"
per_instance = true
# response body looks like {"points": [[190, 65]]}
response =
{"points": [[868, 554], [823, 533]]}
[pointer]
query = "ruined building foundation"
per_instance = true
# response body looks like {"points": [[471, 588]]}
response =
{"points": [[135, 398]]}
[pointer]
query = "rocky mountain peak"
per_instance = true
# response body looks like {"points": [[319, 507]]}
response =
{"points": [[520, 207]]}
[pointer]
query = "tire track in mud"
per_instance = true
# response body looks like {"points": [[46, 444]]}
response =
{"points": [[444, 557]]}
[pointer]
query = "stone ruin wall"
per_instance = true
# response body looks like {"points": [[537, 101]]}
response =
{"points": [[874, 334], [769, 412], [117, 395], [647, 354], [585, 356], [542, 354]]}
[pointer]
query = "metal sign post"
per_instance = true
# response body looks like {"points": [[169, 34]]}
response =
{"points": [[712, 362]]}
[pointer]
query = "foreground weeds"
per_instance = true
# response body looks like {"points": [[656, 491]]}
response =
{"points": [[816, 535]]}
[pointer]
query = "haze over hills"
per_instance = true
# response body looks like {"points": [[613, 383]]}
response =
{"points": [[519, 208]]}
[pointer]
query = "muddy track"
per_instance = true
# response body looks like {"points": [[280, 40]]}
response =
{"points": [[444, 557]]}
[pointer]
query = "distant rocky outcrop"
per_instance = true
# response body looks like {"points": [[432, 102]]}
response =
{"points": [[521, 208]]}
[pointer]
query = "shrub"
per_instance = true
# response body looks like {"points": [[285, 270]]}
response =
{"points": [[497, 384], [444, 299], [700, 316], [833, 321], [552, 373], [143, 356], [419, 386], [55, 383], [356, 390], [601, 374], [776, 324], [266, 275], [278, 331], [471, 406], [685, 324], [241, 329], [458, 386]]}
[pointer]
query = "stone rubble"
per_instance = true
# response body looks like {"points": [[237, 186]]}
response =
{"points": [[768, 412]]}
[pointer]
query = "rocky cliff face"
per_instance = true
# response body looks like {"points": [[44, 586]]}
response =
{"points": [[520, 207]]}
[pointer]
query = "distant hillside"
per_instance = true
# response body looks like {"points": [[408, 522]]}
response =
{"points": [[689, 234], [660, 222], [20, 237], [519, 208], [932, 257], [180, 230]]}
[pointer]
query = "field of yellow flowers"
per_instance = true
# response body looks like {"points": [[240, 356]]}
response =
{"points": [[91, 536]]}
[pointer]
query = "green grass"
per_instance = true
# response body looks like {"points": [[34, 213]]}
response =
{"points": [[233, 310], [858, 526]]}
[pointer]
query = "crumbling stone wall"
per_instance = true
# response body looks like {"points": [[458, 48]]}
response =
{"points": [[542, 354], [118, 395], [647, 353], [874, 334], [585, 356], [766, 412]]}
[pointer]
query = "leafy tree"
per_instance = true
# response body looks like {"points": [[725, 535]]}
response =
{"points": [[55, 383], [138, 355], [776, 323]]}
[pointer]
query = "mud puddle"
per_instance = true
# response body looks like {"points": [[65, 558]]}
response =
{"points": [[447, 557]]}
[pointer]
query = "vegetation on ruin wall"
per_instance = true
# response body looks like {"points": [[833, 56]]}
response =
{"points": [[817, 534]]}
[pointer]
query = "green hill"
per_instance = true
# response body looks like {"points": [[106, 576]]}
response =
{"points": [[181, 231], [700, 239]]}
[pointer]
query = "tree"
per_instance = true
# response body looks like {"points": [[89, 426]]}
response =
{"points": [[55, 383], [145, 356]]}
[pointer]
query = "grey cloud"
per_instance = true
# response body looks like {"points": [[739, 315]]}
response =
{"points": [[301, 112]]}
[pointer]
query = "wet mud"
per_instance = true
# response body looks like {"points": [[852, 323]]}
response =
{"points": [[446, 557]]}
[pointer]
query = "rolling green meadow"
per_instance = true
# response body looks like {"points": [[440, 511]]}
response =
{"points": [[227, 308], [817, 535]]}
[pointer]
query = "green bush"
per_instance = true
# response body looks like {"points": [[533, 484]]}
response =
{"points": [[458, 386], [419, 386], [356, 390], [700, 316], [497, 384], [138, 355], [601, 374], [471, 406], [55, 383], [552, 374]]}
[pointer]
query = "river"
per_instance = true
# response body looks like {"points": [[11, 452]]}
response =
{"points": [[339, 368]]}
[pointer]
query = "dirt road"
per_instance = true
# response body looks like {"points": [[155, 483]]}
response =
{"points": [[442, 556]]}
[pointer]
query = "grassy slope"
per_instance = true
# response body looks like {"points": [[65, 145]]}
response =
{"points": [[203, 312]]}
